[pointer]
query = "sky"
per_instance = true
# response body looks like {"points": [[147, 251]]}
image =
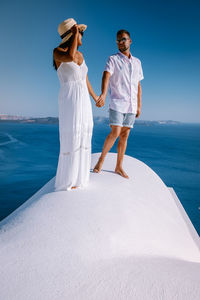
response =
{"points": [[165, 37]]}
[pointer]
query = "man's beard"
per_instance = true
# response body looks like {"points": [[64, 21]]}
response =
{"points": [[124, 49]]}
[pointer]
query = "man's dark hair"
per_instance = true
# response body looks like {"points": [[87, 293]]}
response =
{"points": [[121, 31]]}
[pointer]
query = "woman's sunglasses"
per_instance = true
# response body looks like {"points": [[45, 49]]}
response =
{"points": [[81, 32]]}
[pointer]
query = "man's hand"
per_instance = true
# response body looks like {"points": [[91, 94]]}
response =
{"points": [[138, 112], [101, 100]]}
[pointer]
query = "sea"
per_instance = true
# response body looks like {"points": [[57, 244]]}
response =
{"points": [[29, 155]]}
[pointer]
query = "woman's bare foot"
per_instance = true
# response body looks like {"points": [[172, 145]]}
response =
{"points": [[74, 187], [121, 172], [98, 166]]}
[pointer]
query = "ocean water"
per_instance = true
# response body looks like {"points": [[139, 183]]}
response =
{"points": [[29, 156]]}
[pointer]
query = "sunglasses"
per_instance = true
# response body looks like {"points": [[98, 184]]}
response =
{"points": [[122, 40], [81, 32]]}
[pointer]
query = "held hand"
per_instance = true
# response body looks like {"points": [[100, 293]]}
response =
{"points": [[138, 112], [101, 100], [96, 100]]}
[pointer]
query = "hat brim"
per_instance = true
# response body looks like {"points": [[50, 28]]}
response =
{"points": [[82, 27]]}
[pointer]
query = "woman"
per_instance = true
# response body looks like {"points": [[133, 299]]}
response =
{"points": [[75, 111]]}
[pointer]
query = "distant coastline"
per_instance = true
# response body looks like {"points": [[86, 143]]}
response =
{"points": [[54, 120]]}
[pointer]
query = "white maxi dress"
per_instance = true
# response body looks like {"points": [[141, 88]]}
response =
{"points": [[75, 127]]}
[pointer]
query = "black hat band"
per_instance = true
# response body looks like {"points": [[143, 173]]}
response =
{"points": [[65, 34]]}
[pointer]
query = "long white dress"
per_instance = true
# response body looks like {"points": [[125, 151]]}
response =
{"points": [[75, 127]]}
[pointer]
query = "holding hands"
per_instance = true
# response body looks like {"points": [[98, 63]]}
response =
{"points": [[101, 100], [104, 87]]}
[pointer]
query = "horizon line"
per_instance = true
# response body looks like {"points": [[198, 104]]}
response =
{"points": [[96, 116]]}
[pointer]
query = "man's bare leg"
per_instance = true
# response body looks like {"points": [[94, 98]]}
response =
{"points": [[109, 142], [121, 149]]}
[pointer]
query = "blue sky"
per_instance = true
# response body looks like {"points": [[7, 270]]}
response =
{"points": [[165, 37]]}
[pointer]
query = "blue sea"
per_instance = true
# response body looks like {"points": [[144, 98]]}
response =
{"points": [[29, 156]]}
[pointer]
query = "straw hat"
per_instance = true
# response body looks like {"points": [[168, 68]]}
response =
{"points": [[64, 29]]}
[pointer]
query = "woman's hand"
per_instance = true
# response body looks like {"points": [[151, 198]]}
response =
{"points": [[101, 100], [75, 29], [97, 101], [95, 97]]}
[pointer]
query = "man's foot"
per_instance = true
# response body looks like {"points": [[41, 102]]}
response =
{"points": [[98, 166], [121, 172]]}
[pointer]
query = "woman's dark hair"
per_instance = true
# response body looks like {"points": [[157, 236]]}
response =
{"points": [[123, 31], [64, 45]]}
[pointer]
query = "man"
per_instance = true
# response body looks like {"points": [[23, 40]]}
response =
{"points": [[123, 73]]}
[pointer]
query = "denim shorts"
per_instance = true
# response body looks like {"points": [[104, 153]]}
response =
{"points": [[120, 119]]}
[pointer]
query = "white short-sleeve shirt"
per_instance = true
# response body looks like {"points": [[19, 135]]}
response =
{"points": [[123, 85]]}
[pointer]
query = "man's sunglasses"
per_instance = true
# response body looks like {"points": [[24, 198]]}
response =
{"points": [[122, 40]]}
